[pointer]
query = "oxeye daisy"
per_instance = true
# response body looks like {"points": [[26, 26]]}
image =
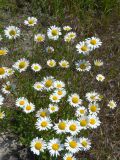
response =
{"points": [[49, 49], [21, 102], [54, 98], [93, 121], [69, 156], [92, 96], [39, 38], [53, 108], [70, 36], [1, 100], [3, 72], [54, 147], [2, 114], [112, 104], [6, 88], [36, 67], [43, 124], [51, 63], [93, 108], [83, 122], [83, 65], [64, 64], [10, 71], [85, 144], [38, 145], [72, 144], [73, 127], [60, 127], [98, 62], [81, 111], [42, 113], [74, 100], [31, 21], [38, 86], [29, 107], [54, 32], [12, 32], [48, 83], [59, 84], [3, 51], [82, 48], [60, 92], [21, 65], [93, 42], [67, 28], [100, 77]]}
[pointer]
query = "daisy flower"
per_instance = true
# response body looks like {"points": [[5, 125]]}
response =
{"points": [[1, 100], [3, 51], [85, 144], [83, 122], [100, 77], [54, 98], [38, 86], [54, 147], [49, 49], [70, 36], [72, 144], [60, 92], [31, 21], [2, 114], [48, 83], [10, 71], [64, 64], [21, 102], [39, 38], [51, 63], [38, 145], [74, 100], [93, 121], [29, 107], [67, 28], [60, 127], [3, 72], [93, 108], [54, 32], [36, 67], [93, 42], [73, 127], [53, 108], [69, 156], [42, 113], [6, 88], [21, 65], [59, 84], [83, 65], [82, 48], [112, 104], [43, 124], [92, 96], [98, 62], [12, 32], [81, 111]]}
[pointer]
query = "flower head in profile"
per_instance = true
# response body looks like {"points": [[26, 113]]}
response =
{"points": [[3, 51], [31, 21], [12, 32], [54, 32], [67, 28], [6, 88], [49, 49], [98, 62], [64, 64]]}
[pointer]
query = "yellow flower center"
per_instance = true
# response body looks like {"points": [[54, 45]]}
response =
{"points": [[69, 158], [93, 108], [2, 71], [48, 83], [39, 86], [52, 108], [59, 85], [83, 66], [93, 42], [73, 127], [62, 125], [64, 64], [75, 99], [38, 146], [59, 92], [93, 97], [52, 63], [31, 21], [84, 48], [40, 39], [73, 144], [92, 121], [43, 114], [84, 143], [8, 88], [44, 124], [54, 32], [55, 146], [82, 111], [36, 67], [55, 98], [22, 65], [12, 32], [3, 52], [21, 102], [83, 122], [28, 108]]}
